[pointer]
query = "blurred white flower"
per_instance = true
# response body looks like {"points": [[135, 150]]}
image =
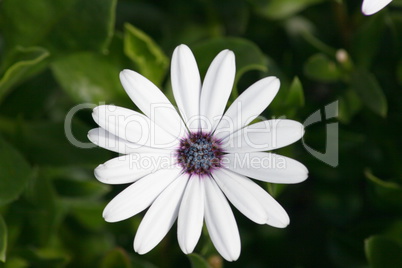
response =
{"points": [[370, 7], [186, 166]]}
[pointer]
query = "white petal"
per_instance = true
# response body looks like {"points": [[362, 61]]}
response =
{"points": [[249, 198], [191, 214], [160, 217], [250, 104], [132, 126], [107, 140], [243, 200], [152, 102], [221, 224], [266, 167], [370, 7], [131, 167], [264, 136], [139, 195], [186, 85], [216, 89]]}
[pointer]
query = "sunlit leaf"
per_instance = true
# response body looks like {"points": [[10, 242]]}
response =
{"points": [[369, 91], [14, 173], [145, 53]]}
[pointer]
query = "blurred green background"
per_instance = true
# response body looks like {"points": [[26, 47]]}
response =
{"points": [[55, 54]]}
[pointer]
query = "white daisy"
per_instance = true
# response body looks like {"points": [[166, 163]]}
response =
{"points": [[186, 166], [370, 7]]}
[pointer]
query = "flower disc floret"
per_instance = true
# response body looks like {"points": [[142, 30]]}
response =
{"points": [[199, 153]]}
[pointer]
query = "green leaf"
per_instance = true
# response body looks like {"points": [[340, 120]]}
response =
{"points": [[146, 54], [15, 262], [116, 258], [367, 39], [319, 67], [45, 143], [73, 188], [89, 214], [45, 212], [20, 64], [383, 184], [349, 105], [274, 189], [197, 261], [3, 239], [59, 26], [14, 173], [387, 193], [248, 55], [383, 252], [295, 97], [369, 91], [281, 9], [311, 39], [46, 257], [90, 77], [75, 183]]}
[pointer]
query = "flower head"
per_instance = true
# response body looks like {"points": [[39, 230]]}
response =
{"points": [[370, 7], [187, 165]]}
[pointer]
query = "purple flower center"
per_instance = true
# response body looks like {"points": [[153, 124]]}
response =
{"points": [[199, 153]]}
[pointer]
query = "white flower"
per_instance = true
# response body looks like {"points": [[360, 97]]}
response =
{"points": [[370, 7], [186, 166]]}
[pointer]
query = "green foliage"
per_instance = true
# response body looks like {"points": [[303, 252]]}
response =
{"points": [[388, 193], [349, 105], [145, 53], [197, 261], [89, 77], [281, 9], [370, 92], [319, 67], [59, 26], [116, 258], [14, 173], [43, 142], [295, 96], [248, 56], [3, 239], [383, 252], [19, 65]]}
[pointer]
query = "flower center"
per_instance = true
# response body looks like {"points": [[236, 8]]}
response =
{"points": [[199, 153]]}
